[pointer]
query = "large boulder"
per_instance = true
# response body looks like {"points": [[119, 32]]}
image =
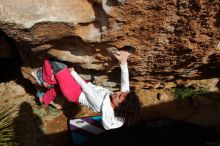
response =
{"points": [[172, 39]]}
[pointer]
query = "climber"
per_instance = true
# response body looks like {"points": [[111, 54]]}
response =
{"points": [[116, 108]]}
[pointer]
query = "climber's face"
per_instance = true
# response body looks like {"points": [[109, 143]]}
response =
{"points": [[117, 98]]}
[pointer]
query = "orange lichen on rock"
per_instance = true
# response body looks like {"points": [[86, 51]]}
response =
{"points": [[199, 3]]}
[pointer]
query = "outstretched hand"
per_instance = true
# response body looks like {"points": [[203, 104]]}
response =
{"points": [[122, 56]]}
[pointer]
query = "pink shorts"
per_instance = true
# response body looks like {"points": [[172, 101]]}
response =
{"points": [[68, 85]]}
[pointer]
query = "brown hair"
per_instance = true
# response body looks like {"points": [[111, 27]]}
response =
{"points": [[129, 109]]}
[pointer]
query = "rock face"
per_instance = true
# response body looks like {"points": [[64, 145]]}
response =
{"points": [[172, 39]]}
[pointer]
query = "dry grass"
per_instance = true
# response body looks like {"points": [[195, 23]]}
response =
{"points": [[7, 133]]}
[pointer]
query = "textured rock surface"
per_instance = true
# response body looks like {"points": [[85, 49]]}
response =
{"points": [[173, 39], [38, 21], [28, 13]]}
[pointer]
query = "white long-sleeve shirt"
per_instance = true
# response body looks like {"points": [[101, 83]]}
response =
{"points": [[97, 98]]}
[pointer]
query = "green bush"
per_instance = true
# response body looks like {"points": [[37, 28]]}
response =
{"points": [[49, 110], [7, 134], [52, 111], [187, 92], [203, 91]]}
